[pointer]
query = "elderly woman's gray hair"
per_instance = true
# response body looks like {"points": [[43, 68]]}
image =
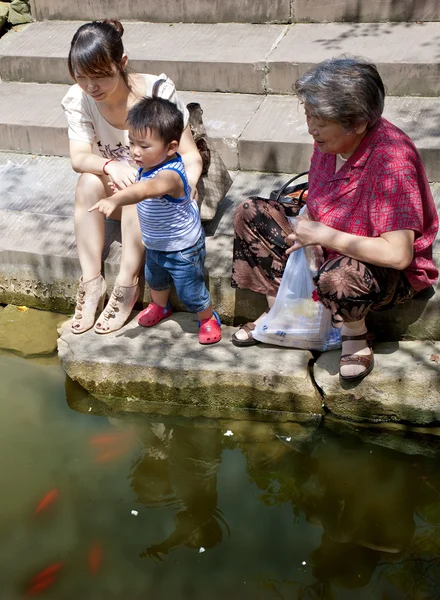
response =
{"points": [[349, 91]]}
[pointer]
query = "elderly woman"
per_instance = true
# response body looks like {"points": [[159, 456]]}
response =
{"points": [[369, 206]]}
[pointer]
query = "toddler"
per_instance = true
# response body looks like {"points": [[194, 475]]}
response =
{"points": [[170, 221]]}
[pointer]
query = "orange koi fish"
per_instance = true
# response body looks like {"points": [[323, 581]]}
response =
{"points": [[95, 558], [111, 438], [40, 586], [50, 571], [112, 454], [48, 499], [44, 579]]}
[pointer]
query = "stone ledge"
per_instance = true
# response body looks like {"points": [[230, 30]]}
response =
{"points": [[403, 387], [135, 366]]}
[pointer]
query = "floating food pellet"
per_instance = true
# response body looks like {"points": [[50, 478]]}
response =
{"points": [[202, 549], [134, 513], [228, 433]]}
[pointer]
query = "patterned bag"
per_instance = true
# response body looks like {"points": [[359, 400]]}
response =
{"points": [[215, 180]]}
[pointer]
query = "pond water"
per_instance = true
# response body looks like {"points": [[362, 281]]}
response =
{"points": [[137, 506]]}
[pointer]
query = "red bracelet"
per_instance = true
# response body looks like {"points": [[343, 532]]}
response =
{"points": [[105, 164]]}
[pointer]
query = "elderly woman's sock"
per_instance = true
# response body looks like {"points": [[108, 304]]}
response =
{"points": [[354, 347]]}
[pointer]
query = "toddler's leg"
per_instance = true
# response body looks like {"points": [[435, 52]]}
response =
{"points": [[160, 281], [186, 269]]}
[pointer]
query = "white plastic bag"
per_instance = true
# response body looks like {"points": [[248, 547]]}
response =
{"points": [[297, 319]]}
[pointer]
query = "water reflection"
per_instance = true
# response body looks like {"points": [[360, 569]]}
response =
{"points": [[323, 515], [179, 470]]}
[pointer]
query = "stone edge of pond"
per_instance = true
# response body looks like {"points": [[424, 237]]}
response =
{"points": [[404, 386], [167, 366]]}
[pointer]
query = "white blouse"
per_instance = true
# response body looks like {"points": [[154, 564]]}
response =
{"points": [[86, 124]]}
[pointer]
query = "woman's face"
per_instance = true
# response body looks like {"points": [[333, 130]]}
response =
{"points": [[98, 88], [330, 137]]}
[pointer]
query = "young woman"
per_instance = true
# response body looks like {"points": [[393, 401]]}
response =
{"points": [[96, 109]]}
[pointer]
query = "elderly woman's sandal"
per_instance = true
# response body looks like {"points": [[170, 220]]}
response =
{"points": [[118, 308], [249, 340], [89, 300], [365, 360]]}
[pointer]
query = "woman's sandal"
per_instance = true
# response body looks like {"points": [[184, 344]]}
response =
{"points": [[118, 308], [209, 330], [249, 340], [153, 314], [89, 300], [366, 361]]}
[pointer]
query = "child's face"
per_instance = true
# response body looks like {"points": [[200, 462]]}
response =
{"points": [[148, 150]]}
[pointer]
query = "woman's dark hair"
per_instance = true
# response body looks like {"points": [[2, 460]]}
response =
{"points": [[95, 48], [345, 89], [157, 115]]}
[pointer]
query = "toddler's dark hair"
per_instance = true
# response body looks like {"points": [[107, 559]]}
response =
{"points": [[157, 115]]}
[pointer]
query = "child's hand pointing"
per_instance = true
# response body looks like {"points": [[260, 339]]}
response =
{"points": [[107, 206]]}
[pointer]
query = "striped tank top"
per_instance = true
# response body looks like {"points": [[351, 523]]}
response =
{"points": [[169, 224]]}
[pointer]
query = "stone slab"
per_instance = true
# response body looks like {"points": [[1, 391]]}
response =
{"points": [[166, 364], [404, 385], [406, 54], [276, 139], [31, 118], [252, 132], [366, 10], [225, 117], [235, 57], [196, 11], [220, 57]]}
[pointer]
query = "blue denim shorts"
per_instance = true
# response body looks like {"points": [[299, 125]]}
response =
{"points": [[183, 268]]}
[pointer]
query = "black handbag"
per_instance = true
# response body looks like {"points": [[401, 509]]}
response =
{"points": [[292, 197]]}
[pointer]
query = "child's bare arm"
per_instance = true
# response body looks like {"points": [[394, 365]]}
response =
{"points": [[165, 182]]}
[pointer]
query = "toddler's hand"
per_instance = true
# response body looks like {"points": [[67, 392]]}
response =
{"points": [[106, 206]]}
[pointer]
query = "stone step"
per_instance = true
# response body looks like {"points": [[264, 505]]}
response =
{"points": [[39, 266], [242, 58], [177, 11], [366, 10], [252, 132], [207, 11]]}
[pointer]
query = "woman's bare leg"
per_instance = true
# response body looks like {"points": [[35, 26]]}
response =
{"points": [[89, 226], [133, 251]]}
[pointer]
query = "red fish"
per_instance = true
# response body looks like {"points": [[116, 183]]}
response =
{"points": [[95, 558], [50, 571], [48, 499], [40, 586], [112, 454], [109, 438]]}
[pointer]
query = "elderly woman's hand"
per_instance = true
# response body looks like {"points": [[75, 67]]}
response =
{"points": [[306, 233]]}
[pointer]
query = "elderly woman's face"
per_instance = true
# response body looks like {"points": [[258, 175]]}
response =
{"points": [[329, 135]]}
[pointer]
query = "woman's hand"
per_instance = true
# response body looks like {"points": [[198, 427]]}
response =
{"points": [[306, 233], [121, 173]]}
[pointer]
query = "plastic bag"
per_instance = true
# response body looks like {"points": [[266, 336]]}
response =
{"points": [[297, 319]]}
